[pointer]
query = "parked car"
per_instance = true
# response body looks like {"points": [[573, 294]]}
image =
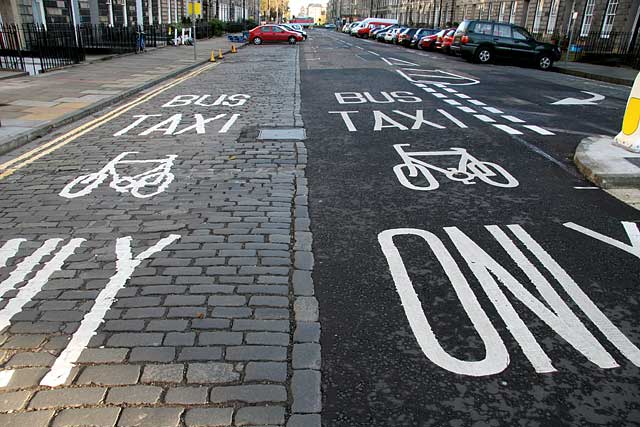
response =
{"points": [[296, 28], [404, 37], [330, 26], [440, 39], [374, 33], [429, 42], [482, 41], [422, 32], [364, 26], [445, 42], [391, 35], [273, 33], [381, 33], [351, 27]]}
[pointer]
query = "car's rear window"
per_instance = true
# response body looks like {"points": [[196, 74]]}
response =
{"points": [[463, 26], [482, 28]]}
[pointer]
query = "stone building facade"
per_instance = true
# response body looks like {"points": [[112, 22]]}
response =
{"points": [[120, 12], [539, 16]]}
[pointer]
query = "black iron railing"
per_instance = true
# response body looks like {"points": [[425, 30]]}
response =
{"points": [[10, 52]]}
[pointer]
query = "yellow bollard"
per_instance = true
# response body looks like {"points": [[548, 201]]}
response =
{"points": [[212, 58], [629, 136], [233, 49], [220, 54]]}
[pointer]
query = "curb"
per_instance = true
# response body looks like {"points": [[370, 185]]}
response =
{"points": [[26, 137], [588, 166], [591, 76], [14, 76]]}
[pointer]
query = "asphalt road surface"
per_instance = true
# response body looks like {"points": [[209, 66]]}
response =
{"points": [[482, 281]]}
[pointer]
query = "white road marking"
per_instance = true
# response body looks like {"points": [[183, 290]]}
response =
{"points": [[484, 118], [493, 110], [462, 95], [448, 89], [125, 266], [476, 102], [452, 102], [373, 53], [508, 129], [33, 286], [27, 265], [428, 89], [513, 119], [360, 47], [453, 119], [587, 188], [420, 85], [347, 120], [229, 123], [439, 95], [538, 129], [5, 377], [467, 110], [9, 250]]}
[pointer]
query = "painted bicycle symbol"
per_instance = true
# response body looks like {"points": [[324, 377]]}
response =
{"points": [[157, 179], [469, 169]]}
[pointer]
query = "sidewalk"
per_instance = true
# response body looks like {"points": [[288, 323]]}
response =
{"points": [[613, 168], [617, 75], [32, 106]]}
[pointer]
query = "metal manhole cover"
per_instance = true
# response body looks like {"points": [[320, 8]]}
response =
{"points": [[297, 134]]}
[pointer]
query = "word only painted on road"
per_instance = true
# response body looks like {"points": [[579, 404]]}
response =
{"points": [[142, 185], [494, 279], [126, 263]]}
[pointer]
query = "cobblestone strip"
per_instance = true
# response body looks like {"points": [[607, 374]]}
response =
{"points": [[306, 355], [218, 328]]}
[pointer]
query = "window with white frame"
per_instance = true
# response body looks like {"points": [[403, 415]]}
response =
{"points": [[480, 10], [512, 12], [587, 18], [538, 16], [501, 11], [436, 16], [490, 11], [553, 16], [609, 16]]}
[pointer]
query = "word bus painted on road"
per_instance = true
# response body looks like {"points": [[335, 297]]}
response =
{"points": [[493, 278], [235, 100]]}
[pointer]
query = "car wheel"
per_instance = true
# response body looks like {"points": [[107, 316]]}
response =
{"points": [[257, 41], [292, 40], [544, 62], [484, 55]]}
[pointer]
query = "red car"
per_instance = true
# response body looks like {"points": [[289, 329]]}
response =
{"points": [[445, 44], [273, 33], [429, 42]]}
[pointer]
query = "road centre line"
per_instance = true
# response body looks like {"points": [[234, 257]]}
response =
{"points": [[453, 119], [493, 110], [538, 129], [59, 142], [508, 129], [513, 119]]}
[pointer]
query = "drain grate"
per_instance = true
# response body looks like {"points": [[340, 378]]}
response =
{"points": [[297, 134]]}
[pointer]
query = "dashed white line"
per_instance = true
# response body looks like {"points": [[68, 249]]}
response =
{"points": [[513, 119], [428, 89], [493, 110], [508, 129], [467, 109], [453, 119], [476, 102], [538, 129], [448, 89], [462, 95], [439, 95], [420, 85], [587, 188], [373, 53], [451, 102], [484, 118]]}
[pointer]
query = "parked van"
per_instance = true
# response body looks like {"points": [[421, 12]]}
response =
{"points": [[363, 28]]}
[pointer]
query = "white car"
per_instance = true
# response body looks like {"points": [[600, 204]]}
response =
{"points": [[388, 37]]}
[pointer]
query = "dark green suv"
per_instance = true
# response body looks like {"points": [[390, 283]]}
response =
{"points": [[481, 41]]}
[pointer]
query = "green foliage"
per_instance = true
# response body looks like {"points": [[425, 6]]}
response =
{"points": [[217, 27]]}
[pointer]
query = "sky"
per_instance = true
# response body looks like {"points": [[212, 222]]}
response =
{"points": [[295, 5]]}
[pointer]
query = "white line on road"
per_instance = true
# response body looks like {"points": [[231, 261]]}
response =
{"points": [[428, 89], [27, 265], [484, 118], [587, 188], [439, 95], [508, 129], [538, 129], [448, 89], [462, 95], [493, 110], [453, 119], [9, 250], [467, 110], [373, 53], [476, 102], [513, 119], [452, 102], [5, 377]]}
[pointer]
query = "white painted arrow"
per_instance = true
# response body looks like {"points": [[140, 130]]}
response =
{"points": [[575, 101]]}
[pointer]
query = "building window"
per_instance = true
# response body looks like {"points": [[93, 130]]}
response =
{"points": [[480, 10], [436, 16], [512, 12], [501, 12], [490, 11], [609, 16], [538, 16], [553, 16], [587, 18]]}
